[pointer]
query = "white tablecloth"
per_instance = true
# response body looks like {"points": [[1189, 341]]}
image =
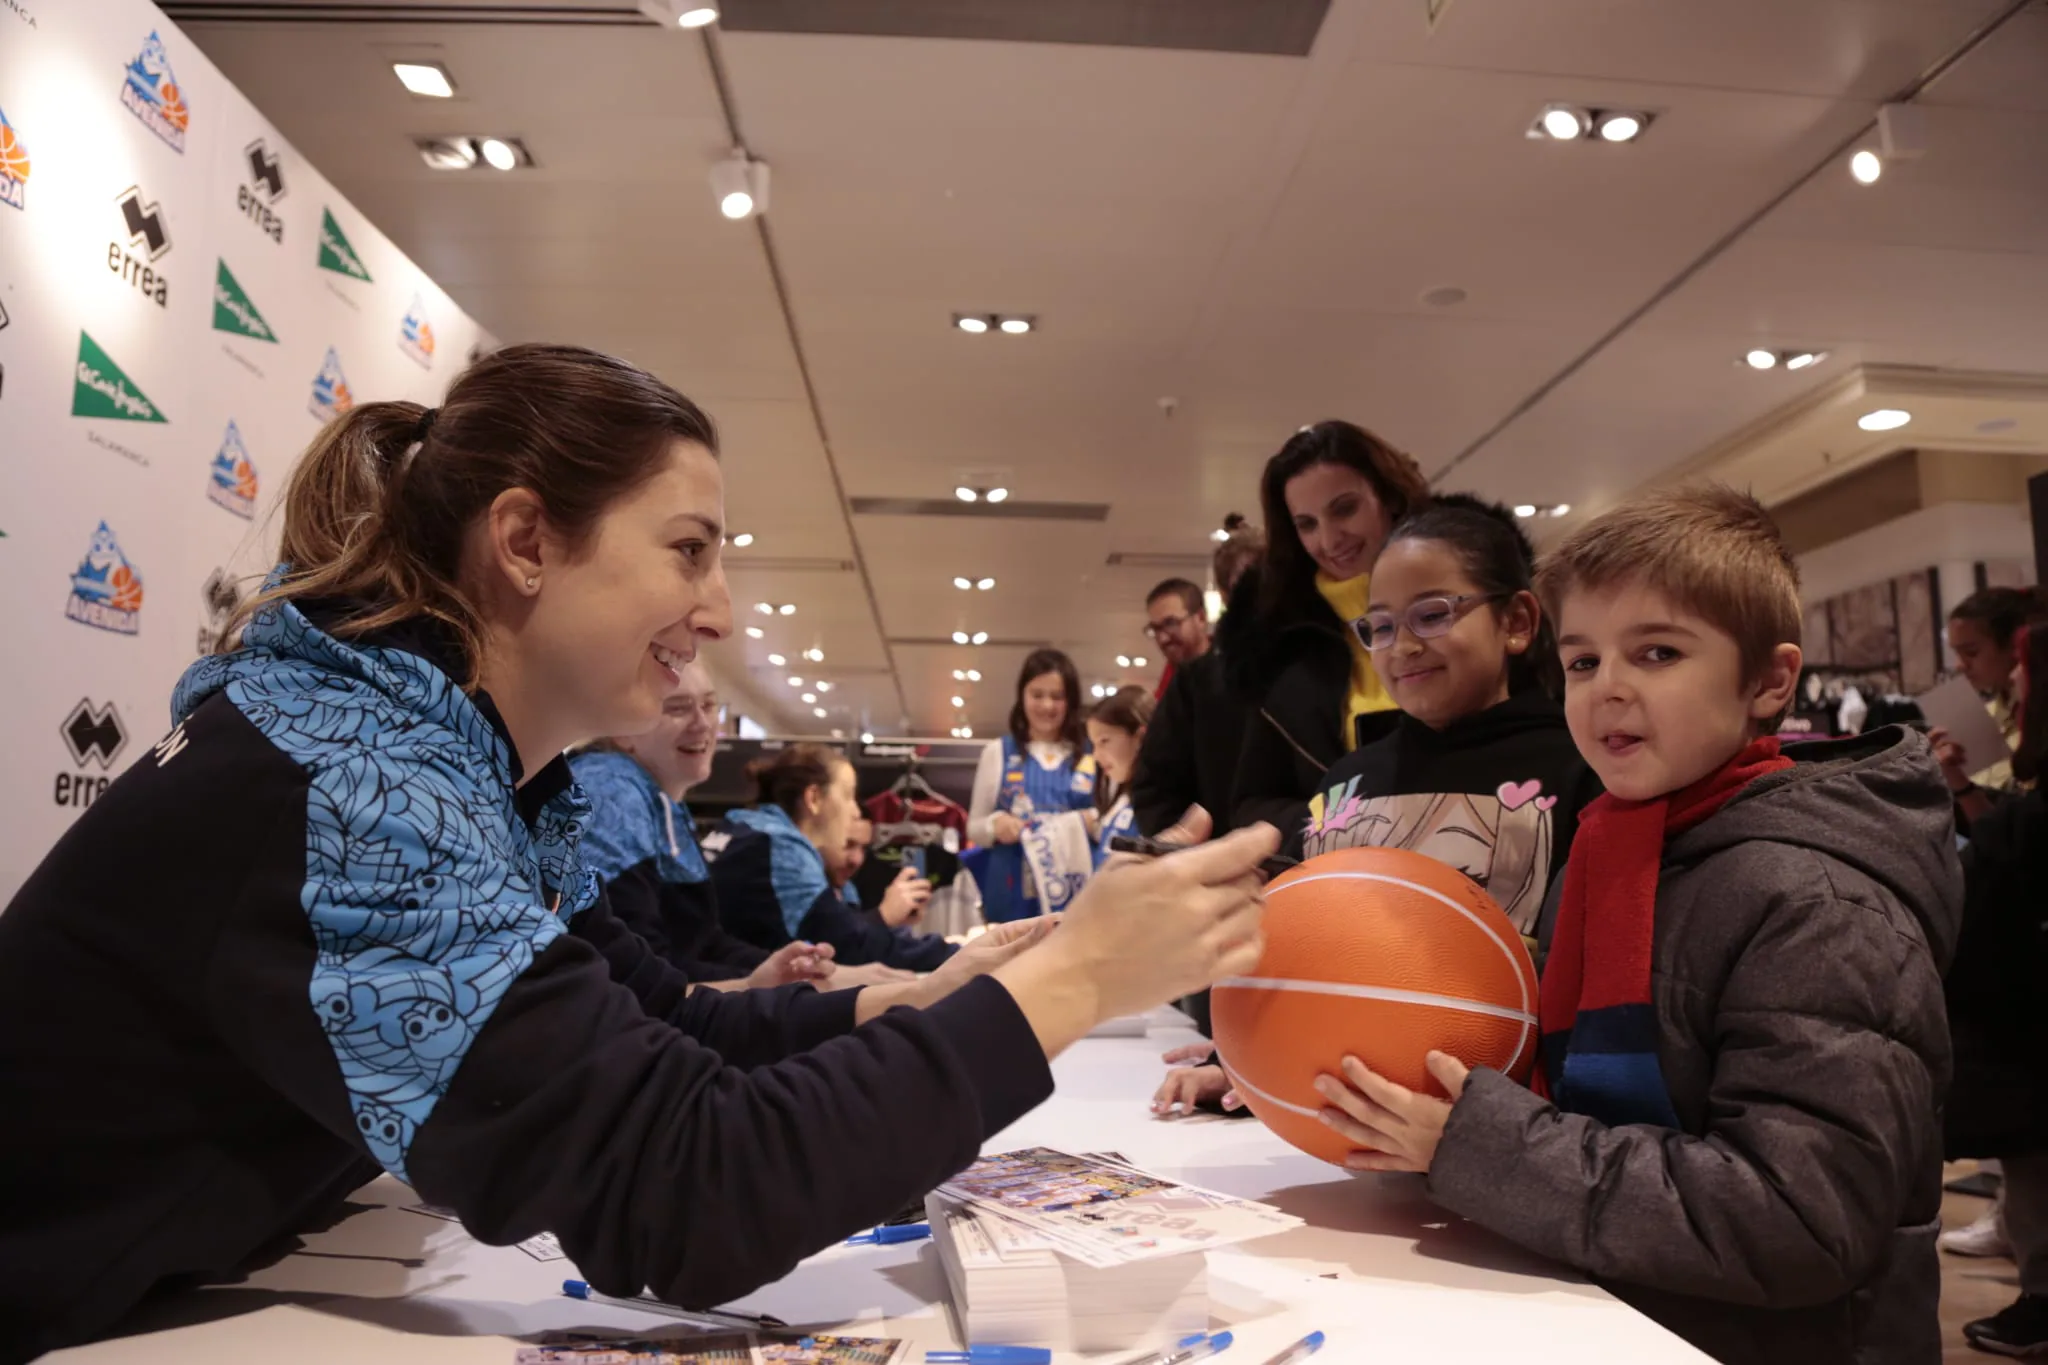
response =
{"points": [[1388, 1276]]}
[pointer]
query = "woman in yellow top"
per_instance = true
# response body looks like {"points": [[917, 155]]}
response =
{"points": [[1330, 497]]}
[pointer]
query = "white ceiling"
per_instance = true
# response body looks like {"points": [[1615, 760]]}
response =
{"points": [[1249, 235]]}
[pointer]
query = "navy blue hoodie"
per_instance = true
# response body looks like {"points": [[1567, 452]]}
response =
{"points": [[323, 928]]}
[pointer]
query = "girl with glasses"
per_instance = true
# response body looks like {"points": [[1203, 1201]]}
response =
{"points": [[1479, 770]]}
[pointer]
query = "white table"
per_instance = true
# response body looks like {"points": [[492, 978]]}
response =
{"points": [[1388, 1276]]}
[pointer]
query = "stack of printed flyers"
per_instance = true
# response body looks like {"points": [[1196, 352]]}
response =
{"points": [[682, 1347], [1083, 1253]]}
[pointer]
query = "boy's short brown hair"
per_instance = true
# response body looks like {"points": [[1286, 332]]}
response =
{"points": [[1711, 550]]}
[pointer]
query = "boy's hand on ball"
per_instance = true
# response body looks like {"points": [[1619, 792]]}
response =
{"points": [[1399, 1127]]}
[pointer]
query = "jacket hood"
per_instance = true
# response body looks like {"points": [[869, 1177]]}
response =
{"points": [[1257, 645], [1528, 711], [1875, 801]]}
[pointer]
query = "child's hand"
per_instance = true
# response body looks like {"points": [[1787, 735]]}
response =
{"points": [[1187, 1086], [1402, 1126]]}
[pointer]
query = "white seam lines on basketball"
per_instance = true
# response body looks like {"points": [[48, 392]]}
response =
{"points": [[1527, 1017], [1239, 1083], [1387, 993]]}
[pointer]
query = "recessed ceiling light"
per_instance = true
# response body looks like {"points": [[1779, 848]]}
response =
{"points": [[755, 633], [985, 584], [1219, 535], [425, 78], [1527, 509], [743, 540], [962, 584], [765, 608], [1866, 166], [981, 637], [1139, 662], [1620, 127], [966, 322], [818, 711], [1799, 360], [698, 17], [1563, 509], [498, 153], [867, 736], [959, 701], [839, 734], [1563, 122], [1761, 360], [967, 732], [1096, 691], [786, 609], [974, 675], [1016, 327], [1884, 419], [1123, 661], [810, 698], [815, 655], [823, 686], [966, 494], [447, 153], [959, 637], [959, 675], [777, 660], [998, 494], [796, 681]]}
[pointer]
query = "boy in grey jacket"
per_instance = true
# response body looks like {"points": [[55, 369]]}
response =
{"points": [[1745, 1046]]}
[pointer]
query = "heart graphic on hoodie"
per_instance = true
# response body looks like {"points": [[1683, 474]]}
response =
{"points": [[1515, 795]]}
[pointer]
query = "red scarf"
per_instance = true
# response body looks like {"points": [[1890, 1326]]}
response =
{"points": [[1599, 1026]]}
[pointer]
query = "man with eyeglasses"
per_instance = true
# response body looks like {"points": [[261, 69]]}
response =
{"points": [[1177, 620]]}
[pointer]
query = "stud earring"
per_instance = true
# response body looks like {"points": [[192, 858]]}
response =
{"points": [[533, 582]]}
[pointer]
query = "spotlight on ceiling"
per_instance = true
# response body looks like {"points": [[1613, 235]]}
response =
{"points": [[1562, 123], [959, 701], [1017, 327], [679, 13], [818, 711], [1866, 166], [1139, 662], [756, 633], [959, 637], [795, 681], [810, 698], [1123, 661], [974, 675], [1884, 419], [980, 637], [1219, 535], [1563, 509], [867, 736], [786, 609], [1620, 127], [765, 608], [966, 494], [1761, 360], [815, 655], [740, 185], [970, 323], [822, 685], [1525, 510], [998, 494], [1800, 360], [985, 584], [425, 78], [698, 17], [963, 584], [498, 154], [743, 540], [777, 660]]}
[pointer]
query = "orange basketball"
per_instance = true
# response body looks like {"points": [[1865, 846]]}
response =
{"points": [[1382, 954], [14, 161], [125, 590]]}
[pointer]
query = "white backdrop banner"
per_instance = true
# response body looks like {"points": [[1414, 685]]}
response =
{"points": [[183, 302]]}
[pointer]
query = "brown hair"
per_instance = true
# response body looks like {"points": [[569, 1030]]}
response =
{"points": [[1129, 709], [1396, 481], [1243, 546], [1073, 730], [1711, 550], [783, 779], [1190, 596], [377, 512]]}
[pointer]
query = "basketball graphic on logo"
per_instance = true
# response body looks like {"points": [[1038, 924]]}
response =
{"points": [[245, 480], [124, 590], [175, 112], [13, 154]]}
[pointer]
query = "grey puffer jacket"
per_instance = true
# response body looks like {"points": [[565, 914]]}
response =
{"points": [[1802, 932]]}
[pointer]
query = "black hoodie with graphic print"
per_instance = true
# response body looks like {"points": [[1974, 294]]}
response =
{"points": [[1496, 795]]}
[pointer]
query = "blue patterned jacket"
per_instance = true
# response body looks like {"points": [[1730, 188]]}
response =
{"points": [[328, 925]]}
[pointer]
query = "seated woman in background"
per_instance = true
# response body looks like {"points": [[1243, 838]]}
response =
{"points": [[1330, 496], [642, 844], [1038, 770], [770, 870], [1116, 732]]}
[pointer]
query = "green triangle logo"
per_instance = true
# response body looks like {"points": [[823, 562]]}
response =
{"points": [[335, 252], [232, 310], [102, 390]]}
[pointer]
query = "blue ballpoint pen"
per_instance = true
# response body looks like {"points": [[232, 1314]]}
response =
{"points": [[1197, 1347], [991, 1355], [1300, 1350], [890, 1234]]}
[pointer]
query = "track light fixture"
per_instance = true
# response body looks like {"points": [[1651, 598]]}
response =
{"points": [[740, 185]]}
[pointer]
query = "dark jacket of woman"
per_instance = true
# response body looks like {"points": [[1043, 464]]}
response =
{"points": [[1999, 1103], [1190, 752], [1291, 668]]}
